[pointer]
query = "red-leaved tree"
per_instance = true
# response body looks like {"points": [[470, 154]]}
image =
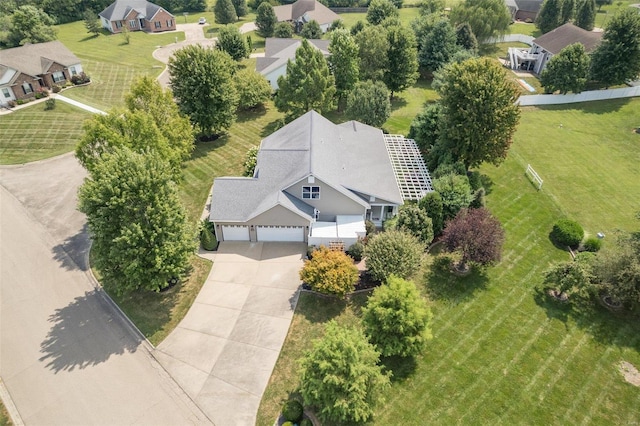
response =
{"points": [[477, 235]]}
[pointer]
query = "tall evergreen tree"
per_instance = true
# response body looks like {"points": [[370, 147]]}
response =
{"points": [[225, 12], [379, 10], [438, 46], [265, 19], [567, 11], [465, 38], [91, 22], [343, 61], [550, 15], [311, 30], [307, 85], [402, 60], [617, 59], [240, 7], [586, 14], [231, 41]]}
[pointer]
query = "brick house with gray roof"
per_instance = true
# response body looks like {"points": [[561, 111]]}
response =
{"points": [[317, 182], [136, 15], [303, 11]]}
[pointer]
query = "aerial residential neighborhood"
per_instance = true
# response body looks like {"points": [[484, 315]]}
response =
{"points": [[237, 212]]}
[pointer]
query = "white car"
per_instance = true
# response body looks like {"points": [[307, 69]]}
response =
{"points": [[202, 21]]}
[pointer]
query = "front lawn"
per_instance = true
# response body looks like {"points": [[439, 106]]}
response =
{"points": [[32, 133], [502, 352]]}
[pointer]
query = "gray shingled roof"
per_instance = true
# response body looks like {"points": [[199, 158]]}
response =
{"points": [[35, 59], [566, 35], [351, 157], [277, 51], [313, 8], [119, 9]]}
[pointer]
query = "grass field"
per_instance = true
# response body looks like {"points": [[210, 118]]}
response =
{"points": [[503, 353], [31, 133], [4, 416]]}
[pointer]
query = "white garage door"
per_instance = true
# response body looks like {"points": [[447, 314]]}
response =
{"points": [[235, 233], [280, 233]]}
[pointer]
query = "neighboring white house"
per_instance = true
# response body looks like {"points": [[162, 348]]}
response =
{"points": [[303, 11], [544, 47], [277, 51], [317, 182]]}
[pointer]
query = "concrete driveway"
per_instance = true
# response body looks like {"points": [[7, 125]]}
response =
{"points": [[67, 356], [224, 350]]}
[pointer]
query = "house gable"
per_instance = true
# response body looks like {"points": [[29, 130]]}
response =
{"points": [[147, 16]]}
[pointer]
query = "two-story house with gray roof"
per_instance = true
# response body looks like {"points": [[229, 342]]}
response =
{"points": [[317, 182], [136, 15], [303, 11]]}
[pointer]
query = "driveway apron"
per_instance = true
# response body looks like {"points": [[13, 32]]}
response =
{"points": [[224, 350]]}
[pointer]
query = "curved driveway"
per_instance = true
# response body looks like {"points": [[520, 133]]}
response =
{"points": [[66, 356]]}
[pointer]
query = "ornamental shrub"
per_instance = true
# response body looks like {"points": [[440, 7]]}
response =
{"points": [[56, 89], [49, 104], [370, 227], [567, 232], [393, 253], [592, 244], [292, 411], [330, 272], [306, 422], [356, 251], [208, 240]]}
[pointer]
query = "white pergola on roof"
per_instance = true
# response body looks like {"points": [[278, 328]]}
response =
{"points": [[412, 175]]}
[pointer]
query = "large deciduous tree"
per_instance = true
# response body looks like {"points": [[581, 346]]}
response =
{"points": [[617, 59], [202, 83], [240, 7], [379, 10], [438, 46], [283, 30], [487, 18], [231, 41], [224, 12], [393, 253], [253, 89], [266, 19], [343, 61], [402, 60], [479, 113], [341, 376], [572, 278], [307, 85], [476, 235], [425, 126], [567, 71], [586, 15], [550, 16], [369, 103], [330, 272], [455, 193], [140, 235], [311, 30], [396, 319], [30, 25], [373, 46]]}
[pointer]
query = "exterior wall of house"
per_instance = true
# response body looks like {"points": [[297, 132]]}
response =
{"points": [[527, 16], [331, 202], [116, 26], [106, 24], [272, 77], [6, 94], [55, 67], [131, 21], [17, 87], [162, 21], [276, 216]]}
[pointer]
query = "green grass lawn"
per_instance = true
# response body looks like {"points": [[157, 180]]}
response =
{"points": [[503, 353], [4, 416], [32, 133]]}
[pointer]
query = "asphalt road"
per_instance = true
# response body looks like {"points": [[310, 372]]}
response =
{"points": [[66, 356]]}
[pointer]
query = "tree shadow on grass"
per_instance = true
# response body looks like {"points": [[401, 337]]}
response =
{"points": [[398, 103], [272, 127], [318, 308], [202, 149], [595, 107], [252, 114], [401, 368], [443, 284], [85, 333]]}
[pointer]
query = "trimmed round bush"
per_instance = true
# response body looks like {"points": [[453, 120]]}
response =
{"points": [[393, 253], [292, 411], [370, 227], [306, 422], [287, 423], [592, 244], [567, 232], [356, 251]]}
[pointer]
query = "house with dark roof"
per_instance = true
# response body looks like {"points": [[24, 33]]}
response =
{"points": [[317, 182], [278, 51], [544, 47], [524, 10], [27, 69], [303, 11], [136, 15]]}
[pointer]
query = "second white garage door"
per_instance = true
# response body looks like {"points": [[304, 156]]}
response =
{"points": [[235, 233], [280, 233]]}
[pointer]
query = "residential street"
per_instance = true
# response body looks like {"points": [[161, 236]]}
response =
{"points": [[66, 356]]}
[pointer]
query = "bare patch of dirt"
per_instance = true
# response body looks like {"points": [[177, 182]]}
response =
{"points": [[630, 373]]}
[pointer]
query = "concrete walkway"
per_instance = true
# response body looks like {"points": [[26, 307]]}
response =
{"points": [[223, 352], [78, 104]]}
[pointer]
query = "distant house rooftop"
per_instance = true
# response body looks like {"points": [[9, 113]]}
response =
{"points": [[566, 35]]}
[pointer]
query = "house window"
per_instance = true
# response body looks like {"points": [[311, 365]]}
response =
{"points": [[157, 24], [132, 23], [73, 70], [6, 92], [58, 76], [311, 192], [27, 88], [118, 24], [170, 23]]}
